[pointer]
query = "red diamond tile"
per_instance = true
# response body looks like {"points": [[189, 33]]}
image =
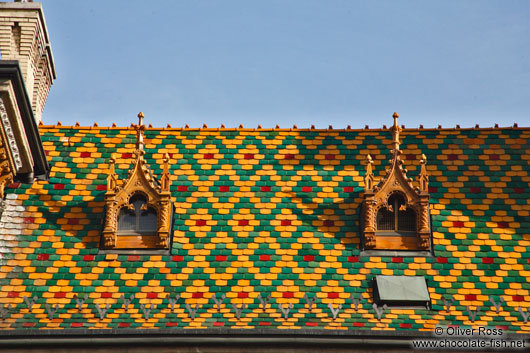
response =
{"points": [[43, 257]]}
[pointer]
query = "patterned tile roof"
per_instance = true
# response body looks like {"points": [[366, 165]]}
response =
{"points": [[266, 232]]}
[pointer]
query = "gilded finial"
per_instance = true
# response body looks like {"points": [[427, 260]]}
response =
{"points": [[140, 118]]}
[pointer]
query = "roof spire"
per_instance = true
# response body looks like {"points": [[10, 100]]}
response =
{"points": [[396, 129], [139, 132]]}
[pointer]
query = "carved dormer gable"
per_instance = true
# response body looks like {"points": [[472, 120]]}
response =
{"points": [[138, 210], [396, 214]]}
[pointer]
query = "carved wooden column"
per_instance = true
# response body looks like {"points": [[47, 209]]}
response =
{"points": [[424, 227], [109, 232], [369, 220]]}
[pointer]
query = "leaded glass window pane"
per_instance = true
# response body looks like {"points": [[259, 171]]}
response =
{"points": [[396, 217], [385, 220], [138, 218]]}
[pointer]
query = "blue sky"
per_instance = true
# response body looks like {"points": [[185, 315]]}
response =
{"points": [[290, 62]]}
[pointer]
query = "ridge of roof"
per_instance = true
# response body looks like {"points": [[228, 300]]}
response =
{"points": [[209, 129]]}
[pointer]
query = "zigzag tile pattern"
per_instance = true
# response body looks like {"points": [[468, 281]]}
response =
{"points": [[267, 223]]}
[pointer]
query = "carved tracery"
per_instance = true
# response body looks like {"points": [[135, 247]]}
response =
{"points": [[138, 195], [412, 204]]}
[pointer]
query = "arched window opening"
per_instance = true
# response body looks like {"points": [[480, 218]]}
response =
{"points": [[397, 217], [137, 218]]}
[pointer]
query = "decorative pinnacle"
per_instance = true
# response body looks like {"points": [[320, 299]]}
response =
{"points": [[396, 129], [139, 132]]}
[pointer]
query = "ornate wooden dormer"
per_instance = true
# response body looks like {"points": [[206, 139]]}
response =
{"points": [[138, 211], [396, 214]]}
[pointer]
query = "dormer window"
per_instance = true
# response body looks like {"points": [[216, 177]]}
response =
{"points": [[139, 211], [396, 214]]}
